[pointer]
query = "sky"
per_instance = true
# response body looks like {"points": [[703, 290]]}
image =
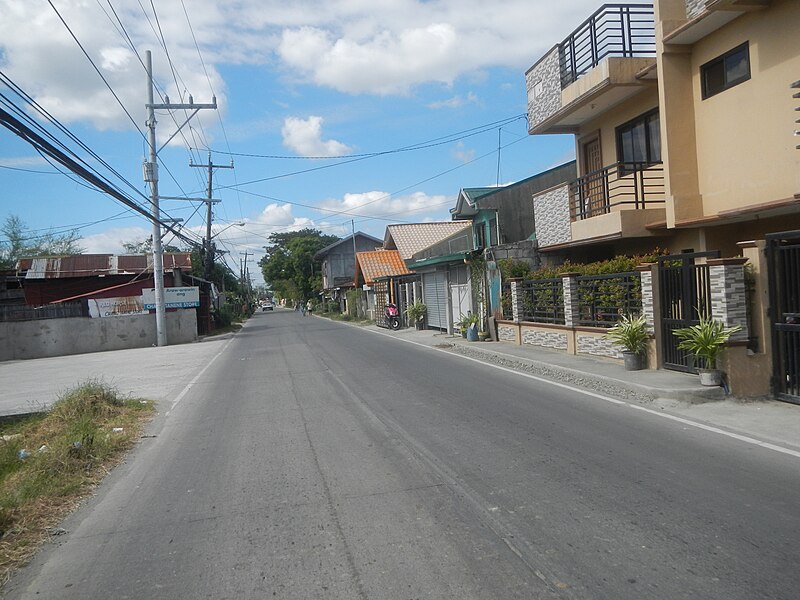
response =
{"points": [[337, 115]]}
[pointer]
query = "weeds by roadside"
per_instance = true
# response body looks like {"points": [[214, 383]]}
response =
{"points": [[50, 461]]}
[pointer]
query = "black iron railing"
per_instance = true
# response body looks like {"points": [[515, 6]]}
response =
{"points": [[602, 299], [625, 30], [543, 300], [634, 184]]}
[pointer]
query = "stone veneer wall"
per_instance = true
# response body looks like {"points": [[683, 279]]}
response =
{"points": [[729, 297], [551, 214], [543, 82], [695, 7], [597, 346], [544, 338], [507, 333]]}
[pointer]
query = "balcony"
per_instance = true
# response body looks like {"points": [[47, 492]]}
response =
{"points": [[622, 186], [607, 59], [617, 201], [706, 16]]}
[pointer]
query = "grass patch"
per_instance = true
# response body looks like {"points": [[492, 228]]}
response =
{"points": [[50, 461]]}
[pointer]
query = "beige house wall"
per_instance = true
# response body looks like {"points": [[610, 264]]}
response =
{"points": [[607, 123], [745, 148]]}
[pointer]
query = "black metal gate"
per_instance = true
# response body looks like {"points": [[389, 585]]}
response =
{"points": [[685, 294], [783, 256]]}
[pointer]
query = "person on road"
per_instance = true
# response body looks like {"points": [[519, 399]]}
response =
{"points": [[309, 307]]}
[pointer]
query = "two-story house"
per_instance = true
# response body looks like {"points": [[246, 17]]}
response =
{"points": [[339, 264], [683, 117]]}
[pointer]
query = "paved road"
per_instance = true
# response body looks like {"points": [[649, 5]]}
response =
{"points": [[315, 460]]}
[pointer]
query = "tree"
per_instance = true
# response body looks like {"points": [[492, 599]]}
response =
{"points": [[289, 267], [19, 242], [146, 247]]}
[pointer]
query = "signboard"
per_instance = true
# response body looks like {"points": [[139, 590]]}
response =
{"points": [[116, 307], [174, 297]]}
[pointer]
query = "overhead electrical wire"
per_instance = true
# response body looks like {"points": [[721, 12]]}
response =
{"points": [[20, 129]]}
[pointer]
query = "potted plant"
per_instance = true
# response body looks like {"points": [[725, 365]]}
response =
{"points": [[630, 332], [706, 341], [461, 326], [416, 313], [472, 322]]}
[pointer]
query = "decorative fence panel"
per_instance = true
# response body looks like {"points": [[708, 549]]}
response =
{"points": [[543, 301], [602, 299]]}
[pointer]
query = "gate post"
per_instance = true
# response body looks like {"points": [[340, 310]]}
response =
{"points": [[516, 299], [728, 294], [571, 304], [516, 306], [651, 310]]}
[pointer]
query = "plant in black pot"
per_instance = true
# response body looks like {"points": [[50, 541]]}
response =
{"points": [[630, 333], [706, 341], [416, 314]]}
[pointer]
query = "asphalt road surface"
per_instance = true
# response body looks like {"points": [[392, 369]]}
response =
{"points": [[311, 459]]}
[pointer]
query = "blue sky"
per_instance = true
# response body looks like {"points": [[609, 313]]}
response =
{"points": [[297, 83]]}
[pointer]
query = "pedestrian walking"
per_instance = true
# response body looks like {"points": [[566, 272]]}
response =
{"points": [[309, 307]]}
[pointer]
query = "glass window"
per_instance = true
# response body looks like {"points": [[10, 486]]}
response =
{"points": [[493, 233], [639, 141], [726, 71]]}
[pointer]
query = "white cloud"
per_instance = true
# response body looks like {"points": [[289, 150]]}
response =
{"points": [[22, 161], [462, 154], [110, 241], [383, 204], [354, 46], [304, 136], [455, 101]]}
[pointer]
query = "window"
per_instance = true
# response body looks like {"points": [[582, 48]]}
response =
{"points": [[493, 232], [639, 141], [480, 236], [726, 71]]}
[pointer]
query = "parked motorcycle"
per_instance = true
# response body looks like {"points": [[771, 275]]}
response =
{"points": [[392, 316]]}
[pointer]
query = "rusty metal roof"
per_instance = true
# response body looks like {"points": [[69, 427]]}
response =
{"points": [[380, 263], [93, 265], [410, 238]]}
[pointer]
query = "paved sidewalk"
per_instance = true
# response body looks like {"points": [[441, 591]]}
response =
{"points": [[672, 392], [153, 373]]}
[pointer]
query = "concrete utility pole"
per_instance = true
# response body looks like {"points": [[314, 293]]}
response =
{"points": [[151, 176], [208, 259]]}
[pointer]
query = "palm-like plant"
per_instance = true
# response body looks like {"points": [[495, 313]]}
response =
{"points": [[705, 340], [630, 332]]}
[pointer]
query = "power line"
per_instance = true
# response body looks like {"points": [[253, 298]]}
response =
{"points": [[440, 141], [89, 58]]}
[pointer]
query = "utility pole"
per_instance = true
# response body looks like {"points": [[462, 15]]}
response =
{"points": [[151, 176], [208, 259]]}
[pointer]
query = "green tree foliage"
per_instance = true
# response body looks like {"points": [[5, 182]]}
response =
{"points": [[19, 242], [289, 267], [146, 247]]}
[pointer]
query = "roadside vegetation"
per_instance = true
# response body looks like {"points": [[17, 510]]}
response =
{"points": [[50, 461]]}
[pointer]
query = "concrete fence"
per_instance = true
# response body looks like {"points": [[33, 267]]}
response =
{"points": [[59, 337]]}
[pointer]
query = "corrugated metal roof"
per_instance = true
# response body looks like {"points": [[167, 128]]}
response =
{"points": [[92, 265], [380, 263], [412, 237]]}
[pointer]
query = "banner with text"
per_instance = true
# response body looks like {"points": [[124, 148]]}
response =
{"points": [[174, 297]]}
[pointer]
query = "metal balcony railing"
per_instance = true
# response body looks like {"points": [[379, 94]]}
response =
{"points": [[634, 184], [625, 30]]}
